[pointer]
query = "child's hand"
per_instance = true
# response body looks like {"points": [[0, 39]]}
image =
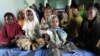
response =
{"points": [[13, 40]]}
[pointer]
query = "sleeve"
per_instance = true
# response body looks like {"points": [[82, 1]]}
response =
{"points": [[37, 30], [24, 26], [19, 31], [4, 32], [63, 35], [50, 33]]}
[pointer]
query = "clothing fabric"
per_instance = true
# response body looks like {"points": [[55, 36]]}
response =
{"points": [[58, 40], [90, 32], [20, 20], [63, 23], [10, 31], [31, 28], [74, 26]]}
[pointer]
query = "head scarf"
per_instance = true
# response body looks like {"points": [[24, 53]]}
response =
{"points": [[28, 26], [11, 30], [34, 14], [20, 20], [11, 14]]}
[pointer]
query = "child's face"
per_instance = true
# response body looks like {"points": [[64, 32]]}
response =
{"points": [[40, 41], [47, 12], [54, 22], [91, 14], [55, 12], [21, 15], [9, 19], [30, 15], [75, 11]]}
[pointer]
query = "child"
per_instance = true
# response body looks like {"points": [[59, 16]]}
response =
{"points": [[21, 17], [31, 28], [58, 38], [45, 19], [11, 29], [38, 43], [31, 24], [55, 29], [64, 21]]}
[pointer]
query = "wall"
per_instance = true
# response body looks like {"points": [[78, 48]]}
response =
{"points": [[39, 1], [58, 3], [52, 3], [9, 6], [29, 2], [61, 4], [97, 1]]}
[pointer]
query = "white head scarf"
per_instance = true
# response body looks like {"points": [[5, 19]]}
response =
{"points": [[51, 18], [34, 14], [28, 26]]}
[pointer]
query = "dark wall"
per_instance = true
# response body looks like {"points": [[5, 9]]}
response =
{"points": [[87, 2]]}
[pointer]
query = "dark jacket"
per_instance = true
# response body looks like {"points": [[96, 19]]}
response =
{"points": [[90, 32]]}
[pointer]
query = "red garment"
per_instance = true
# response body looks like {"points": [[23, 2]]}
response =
{"points": [[3, 41], [10, 31]]}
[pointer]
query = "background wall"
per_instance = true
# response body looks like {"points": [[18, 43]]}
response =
{"points": [[58, 3], [97, 1], [9, 6], [61, 4]]}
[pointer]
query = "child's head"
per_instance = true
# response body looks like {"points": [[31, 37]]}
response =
{"points": [[91, 13], [40, 42], [21, 15], [55, 12], [47, 12], [54, 21], [29, 15], [9, 18], [75, 12], [67, 8]]}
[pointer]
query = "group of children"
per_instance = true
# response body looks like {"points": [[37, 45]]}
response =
{"points": [[27, 32]]}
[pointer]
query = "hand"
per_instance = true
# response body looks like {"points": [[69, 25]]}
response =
{"points": [[13, 40]]}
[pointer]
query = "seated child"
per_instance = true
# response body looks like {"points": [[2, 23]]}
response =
{"points": [[11, 30], [58, 38], [21, 17], [31, 24]]}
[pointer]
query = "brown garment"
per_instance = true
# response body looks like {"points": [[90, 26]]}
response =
{"points": [[74, 26]]}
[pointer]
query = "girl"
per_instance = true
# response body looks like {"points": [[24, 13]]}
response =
{"points": [[11, 29], [45, 19], [31, 28], [31, 25], [21, 17]]}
